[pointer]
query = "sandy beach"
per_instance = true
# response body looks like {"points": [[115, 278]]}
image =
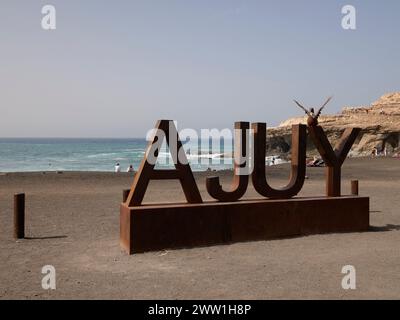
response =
{"points": [[73, 224]]}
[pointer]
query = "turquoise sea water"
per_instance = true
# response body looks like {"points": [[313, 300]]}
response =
{"points": [[42, 154]]}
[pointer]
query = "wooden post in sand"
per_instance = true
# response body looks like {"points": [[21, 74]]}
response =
{"points": [[354, 187], [125, 194], [19, 216]]}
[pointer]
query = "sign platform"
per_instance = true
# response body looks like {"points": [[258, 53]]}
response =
{"points": [[167, 226]]}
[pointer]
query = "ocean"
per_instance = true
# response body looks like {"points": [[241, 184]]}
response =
{"points": [[54, 154]]}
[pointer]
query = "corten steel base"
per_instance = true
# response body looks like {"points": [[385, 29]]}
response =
{"points": [[147, 228]]}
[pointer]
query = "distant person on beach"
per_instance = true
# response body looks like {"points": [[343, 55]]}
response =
{"points": [[117, 168], [130, 169]]}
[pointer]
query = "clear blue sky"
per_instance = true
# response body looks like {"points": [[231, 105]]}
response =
{"points": [[112, 68]]}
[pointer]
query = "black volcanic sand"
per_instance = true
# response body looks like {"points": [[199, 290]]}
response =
{"points": [[73, 224]]}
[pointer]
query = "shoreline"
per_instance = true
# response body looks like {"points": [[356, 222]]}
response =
{"points": [[195, 171]]}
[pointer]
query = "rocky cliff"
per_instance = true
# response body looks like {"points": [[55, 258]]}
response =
{"points": [[380, 123]]}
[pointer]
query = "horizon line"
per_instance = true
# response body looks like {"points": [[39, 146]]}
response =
{"points": [[72, 137]]}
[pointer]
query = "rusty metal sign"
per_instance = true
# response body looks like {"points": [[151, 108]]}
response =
{"points": [[152, 227]]}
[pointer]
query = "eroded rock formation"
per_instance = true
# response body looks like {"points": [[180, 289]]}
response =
{"points": [[380, 123]]}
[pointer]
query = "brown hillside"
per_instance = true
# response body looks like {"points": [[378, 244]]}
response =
{"points": [[380, 123]]}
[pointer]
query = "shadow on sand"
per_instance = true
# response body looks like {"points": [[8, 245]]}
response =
{"points": [[45, 238], [388, 227]]}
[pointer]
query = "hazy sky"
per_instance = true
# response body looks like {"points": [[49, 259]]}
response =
{"points": [[112, 68]]}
